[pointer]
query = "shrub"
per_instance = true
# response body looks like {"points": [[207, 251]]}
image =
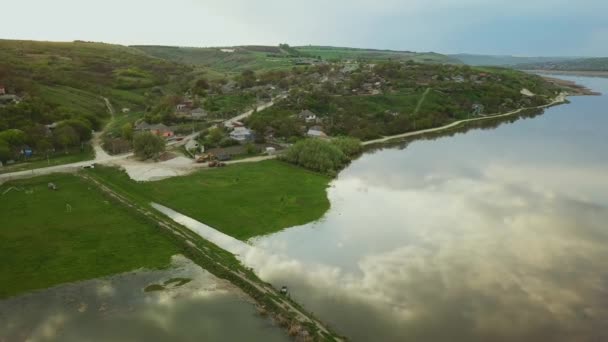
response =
{"points": [[351, 147], [148, 145], [316, 155]]}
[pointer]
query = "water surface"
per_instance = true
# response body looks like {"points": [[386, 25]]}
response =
{"points": [[492, 235], [193, 305]]}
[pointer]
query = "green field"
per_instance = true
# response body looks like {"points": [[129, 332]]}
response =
{"points": [[42, 244], [340, 53], [243, 200]]}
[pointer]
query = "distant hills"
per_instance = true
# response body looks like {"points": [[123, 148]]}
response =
{"points": [[505, 60], [536, 63], [580, 64], [253, 57]]}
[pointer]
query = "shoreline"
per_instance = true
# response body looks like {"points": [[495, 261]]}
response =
{"points": [[587, 73], [559, 99]]}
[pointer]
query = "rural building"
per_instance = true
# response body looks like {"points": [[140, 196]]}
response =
{"points": [[271, 151], [316, 132], [9, 99], [198, 114], [2, 90], [162, 130], [478, 109], [242, 134], [308, 116], [126, 110], [159, 129]]}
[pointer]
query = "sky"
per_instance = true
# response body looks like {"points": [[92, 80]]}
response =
{"points": [[513, 27]]}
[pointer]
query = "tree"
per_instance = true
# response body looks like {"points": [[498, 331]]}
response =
{"points": [[127, 131], [215, 136], [66, 136], [82, 128], [15, 139], [317, 155], [5, 151], [148, 146]]}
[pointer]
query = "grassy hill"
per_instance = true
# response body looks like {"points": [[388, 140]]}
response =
{"points": [[65, 84], [76, 74], [341, 53], [219, 61], [258, 58], [386, 98], [503, 60], [581, 64]]}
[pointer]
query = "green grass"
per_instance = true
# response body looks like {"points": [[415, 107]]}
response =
{"points": [[230, 104], [42, 245], [243, 200], [59, 158], [333, 53]]}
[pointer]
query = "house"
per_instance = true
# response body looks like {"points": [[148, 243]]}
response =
{"points": [[478, 109], [241, 134], [9, 99], [159, 129], [316, 132], [271, 151], [2, 90], [307, 116], [184, 106], [126, 110], [198, 114], [458, 79]]}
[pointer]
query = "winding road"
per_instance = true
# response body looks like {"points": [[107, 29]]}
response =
{"points": [[102, 157]]}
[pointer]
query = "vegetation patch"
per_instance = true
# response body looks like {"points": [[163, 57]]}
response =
{"points": [[154, 288], [75, 233], [177, 282], [243, 200]]}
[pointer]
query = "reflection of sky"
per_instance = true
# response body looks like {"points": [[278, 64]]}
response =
{"points": [[492, 235], [118, 309]]}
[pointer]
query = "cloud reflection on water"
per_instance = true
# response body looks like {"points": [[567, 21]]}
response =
{"points": [[503, 254]]}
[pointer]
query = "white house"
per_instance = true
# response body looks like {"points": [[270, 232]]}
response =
{"points": [[308, 116], [241, 134], [316, 132]]}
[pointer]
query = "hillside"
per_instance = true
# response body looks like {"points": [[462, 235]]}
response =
{"points": [[581, 64], [64, 84], [366, 100], [341, 53], [221, 60], [503, 60]]}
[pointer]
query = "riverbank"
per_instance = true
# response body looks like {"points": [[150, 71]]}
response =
{"points": [[289, 315], [561, 98], [570, 73]]}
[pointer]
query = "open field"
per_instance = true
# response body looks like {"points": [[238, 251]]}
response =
{"points": [[43, 244], [243, 201], [334, 53]]}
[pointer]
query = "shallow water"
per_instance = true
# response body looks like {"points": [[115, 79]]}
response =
{"points": [[492, 235], [119, 309]]}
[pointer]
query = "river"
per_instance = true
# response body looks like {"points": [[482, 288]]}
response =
{"points": [[492, 235]]}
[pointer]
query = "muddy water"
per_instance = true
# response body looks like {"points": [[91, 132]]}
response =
{"points": [[492, 235], [181, 303]]}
